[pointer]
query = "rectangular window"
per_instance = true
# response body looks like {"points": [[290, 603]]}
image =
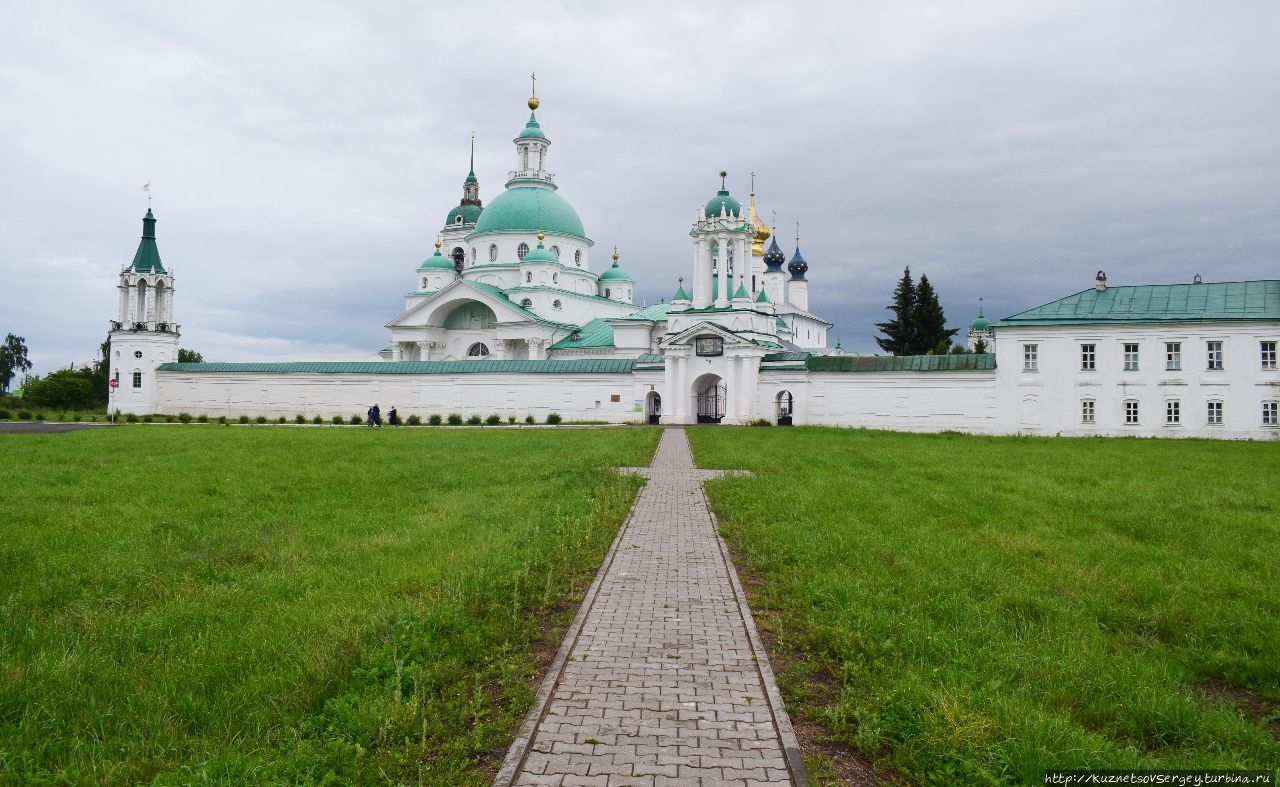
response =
{"points": [[1214, 351], [1271, 413], [1088, 357], [1173, 412], [1131, 357], [137, 379], [1215, 413], [1029, 357], [1131, 412], [1086, 411], [1173, 356], [1268, 355]]}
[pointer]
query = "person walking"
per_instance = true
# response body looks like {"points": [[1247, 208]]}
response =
{"points": [[392, 418], [375, 416]]}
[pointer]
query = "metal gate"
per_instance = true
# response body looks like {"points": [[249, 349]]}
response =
{"points": [[711, 402]]}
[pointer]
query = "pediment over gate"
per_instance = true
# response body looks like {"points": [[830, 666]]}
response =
{"points": [[688, 336], [433, 311]]}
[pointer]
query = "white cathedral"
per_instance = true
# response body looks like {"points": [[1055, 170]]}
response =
{"points": [[508, 317]]}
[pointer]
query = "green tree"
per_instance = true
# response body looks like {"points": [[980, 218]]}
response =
{"points": [[189, 356], [980, 346], [13, 360], [931, 334], [65, 389], [899, 332]]}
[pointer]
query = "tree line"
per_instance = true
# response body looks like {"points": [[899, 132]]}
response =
{"points": [[83, 388]]}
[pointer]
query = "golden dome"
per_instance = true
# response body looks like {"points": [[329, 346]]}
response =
{"points": [[533, 102], [762, 232]]}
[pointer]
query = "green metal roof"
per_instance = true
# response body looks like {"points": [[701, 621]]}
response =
{"points": [[787, 356], [615, 274], [657, 312], [762, 298], [969, 362], [680, 295], [147, 258], [573, 366], [530, 209], [500, 294], [540, 254], [742, 291], [470, 214], [722, 200], [1233, 300], [596, 334], [651, 360], [531, 129], [436, 260]]}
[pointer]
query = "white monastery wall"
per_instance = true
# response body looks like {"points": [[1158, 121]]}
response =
{"points": [[900, 400], [1172, 396]]}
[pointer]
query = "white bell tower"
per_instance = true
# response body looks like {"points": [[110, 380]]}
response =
{"points": [[143, 335]]}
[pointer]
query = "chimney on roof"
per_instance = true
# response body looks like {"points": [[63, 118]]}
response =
{"points": [[1100, 283], [1197, 280]]}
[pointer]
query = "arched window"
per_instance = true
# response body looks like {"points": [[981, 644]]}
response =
{"points": [[457, 219], [555, 278], [577, 258], [526, 303], [478, 350], [473, 255], [528, 276], [607, 294], [556, 251], [424, 282], [459, 257], [493, 252], [522, 250], [555, 304]]}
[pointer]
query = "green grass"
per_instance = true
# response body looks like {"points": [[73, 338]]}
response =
{"points": [[982, 609], [291, 606]]}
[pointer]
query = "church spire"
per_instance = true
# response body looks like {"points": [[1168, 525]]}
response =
{"points": [[147, 258], [531, 149]]}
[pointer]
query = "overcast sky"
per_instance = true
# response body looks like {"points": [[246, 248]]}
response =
{"points": [[303, 155]]}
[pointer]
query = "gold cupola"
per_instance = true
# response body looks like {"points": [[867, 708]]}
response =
{"points": [[762, 231]]}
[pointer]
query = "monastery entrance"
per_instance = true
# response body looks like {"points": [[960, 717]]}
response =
{"points": [[711, 398], [653, 407]]}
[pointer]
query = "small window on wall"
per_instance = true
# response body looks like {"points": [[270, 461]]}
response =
{"points": [[522, 250], [1213, 352], [1214, 415], [555, 278], [1087, 411], [493, 252], [478, 350], [1030, 357], [1268, 355], [1131, 412], [1131, 359], [473, 255], [556, 251], [577, 258], [555, 304], [608, 293], [137, 379], [526, 303], [1088, 357], [1173, 412], [528, 277], [424, 283], [137, 353], [1173, 356], [1271, 413]]}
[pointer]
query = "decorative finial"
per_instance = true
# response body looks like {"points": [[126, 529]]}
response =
{"points": [[753, 184], [723, 175], [615, 253], [775, 221], [540, 235], [533, 97], [680, 279], [473, 150], [147, 188], [438, 244], [979, 305], [797, 234]]}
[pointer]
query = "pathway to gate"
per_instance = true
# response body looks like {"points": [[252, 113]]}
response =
{"points": [[662, 679]]}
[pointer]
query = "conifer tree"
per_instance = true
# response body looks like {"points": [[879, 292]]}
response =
{"points": [[901, 329], [929, 324]]}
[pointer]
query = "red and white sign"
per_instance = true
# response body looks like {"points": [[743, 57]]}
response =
{"points": [[114, 383]]}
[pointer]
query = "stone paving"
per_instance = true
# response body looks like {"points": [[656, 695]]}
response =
{"points": [[661, 679]]}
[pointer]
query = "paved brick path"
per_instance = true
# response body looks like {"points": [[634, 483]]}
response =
{"points": [[661, 679]]}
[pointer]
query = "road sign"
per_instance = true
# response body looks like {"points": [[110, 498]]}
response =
{"points": [[114, 383]]}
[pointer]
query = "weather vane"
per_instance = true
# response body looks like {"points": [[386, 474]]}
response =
{"points": [[147, 188], [723, 175]]}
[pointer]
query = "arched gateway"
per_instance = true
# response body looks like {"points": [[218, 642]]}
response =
{"points": [[710, 397]]}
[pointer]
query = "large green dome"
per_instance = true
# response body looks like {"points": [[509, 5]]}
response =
{"points": [[470, 214], [529, 209], [722, 200]]}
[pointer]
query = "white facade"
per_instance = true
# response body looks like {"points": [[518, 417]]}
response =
{"points": [[507, 318]]}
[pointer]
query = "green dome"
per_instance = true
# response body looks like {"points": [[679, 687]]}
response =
{"points": [[615, 274], [531, 129], [470, 214], [722, 199], [530, 209], [436, 260], [980, 324], [540, 254]]}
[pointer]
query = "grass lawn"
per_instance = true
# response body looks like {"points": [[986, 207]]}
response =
{"points": [[205, 604], [971, 610]]}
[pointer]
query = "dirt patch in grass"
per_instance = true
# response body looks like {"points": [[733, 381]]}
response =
{"points": [[1254, 707]]}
